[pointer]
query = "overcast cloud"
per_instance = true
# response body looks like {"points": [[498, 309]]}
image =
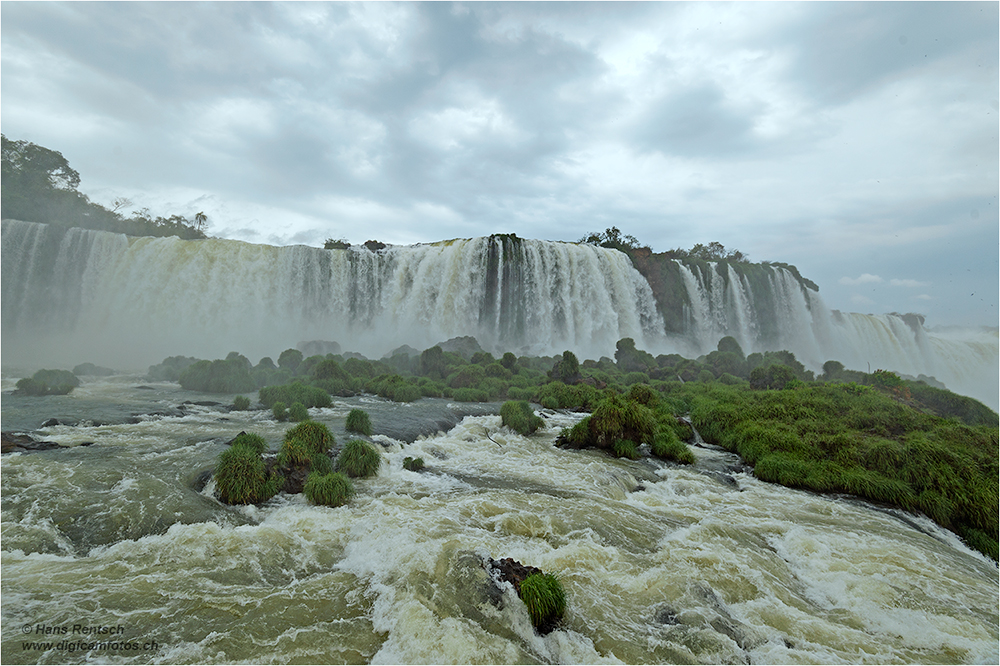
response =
{"points": [[858, 141]]}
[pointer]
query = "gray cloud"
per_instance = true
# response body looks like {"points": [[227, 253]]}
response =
{"points": [[812, 133]]}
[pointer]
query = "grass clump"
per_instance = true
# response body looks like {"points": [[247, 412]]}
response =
{"points": [[280, 411], [668, 446], [545, 598], [298, 412], [359, 459], [625, 448], [413, 464], [241, 403], [294, 452], [519, 417], [315, 435], [241, 476], [332, 489], [358, 421]]}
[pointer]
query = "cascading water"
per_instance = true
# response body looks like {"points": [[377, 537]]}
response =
{"points": [[75, 295], [781, 313], [100, 295]]}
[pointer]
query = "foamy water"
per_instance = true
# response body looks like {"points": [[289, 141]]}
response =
{"points": [[661, 563]]}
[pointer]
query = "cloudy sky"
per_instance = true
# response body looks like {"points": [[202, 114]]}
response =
{"points": [[858, 141]]}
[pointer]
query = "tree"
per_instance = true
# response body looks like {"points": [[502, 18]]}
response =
{"points": [[38, 185], [290, 360], [567, 370], [200, 220], [611, 238]]}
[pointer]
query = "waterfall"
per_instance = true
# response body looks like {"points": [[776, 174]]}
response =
{"points": [[96, 295], [780, 313], [81, 295]]}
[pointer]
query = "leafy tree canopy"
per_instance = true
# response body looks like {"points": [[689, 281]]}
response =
{"points": [[40, 186]]}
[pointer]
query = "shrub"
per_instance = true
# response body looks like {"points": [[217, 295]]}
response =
{"points": [[413, 464], [332, 489], [170, 369], [252, 441], [666, 445], [617, 418], [310, 396], [298, 412], [290, 359], [470, 394], [48, 382], [294, 453], [550, 402], [321, 463], [241, 477], [229, 376], [316, 435], [359, 459], [519, 417], [359, 422], [279, 411], [625, 448], [545, 599], [241, 403]]}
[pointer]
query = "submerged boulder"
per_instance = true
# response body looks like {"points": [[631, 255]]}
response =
{"points": [[16, 442]]}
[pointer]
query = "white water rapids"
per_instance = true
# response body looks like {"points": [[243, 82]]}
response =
{"points": [[661, 563]]}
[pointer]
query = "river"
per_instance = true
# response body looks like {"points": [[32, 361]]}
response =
{"points": [[661, 563]]}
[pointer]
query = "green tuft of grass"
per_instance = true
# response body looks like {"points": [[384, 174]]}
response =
{"points": [[332, 489], [315, 434], [279, 411], [320, 463], [545, 598], [294, 452], [625, 448], [241, 477], [252, 441], [358, 421], [241, 403], [298, 412], [668, 446], [413, 464], [520, 417], [359, 459]]}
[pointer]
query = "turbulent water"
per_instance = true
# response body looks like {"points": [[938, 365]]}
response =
{"points": [[661, 563], [78, 295]]}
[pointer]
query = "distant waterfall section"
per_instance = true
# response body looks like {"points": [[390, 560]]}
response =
{"points": [[78, 295]]}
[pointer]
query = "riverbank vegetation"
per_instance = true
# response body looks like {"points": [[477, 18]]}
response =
{"points": [[878, 436], [38, 185]]}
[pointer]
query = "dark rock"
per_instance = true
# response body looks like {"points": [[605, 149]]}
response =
{"points": [[16, 442], [53, 422], [202, 480], [511, 571], [667, 615], [144, 388], [230, 442]]}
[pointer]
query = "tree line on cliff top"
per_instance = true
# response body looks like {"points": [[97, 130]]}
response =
{"points": [[40, 186]]}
